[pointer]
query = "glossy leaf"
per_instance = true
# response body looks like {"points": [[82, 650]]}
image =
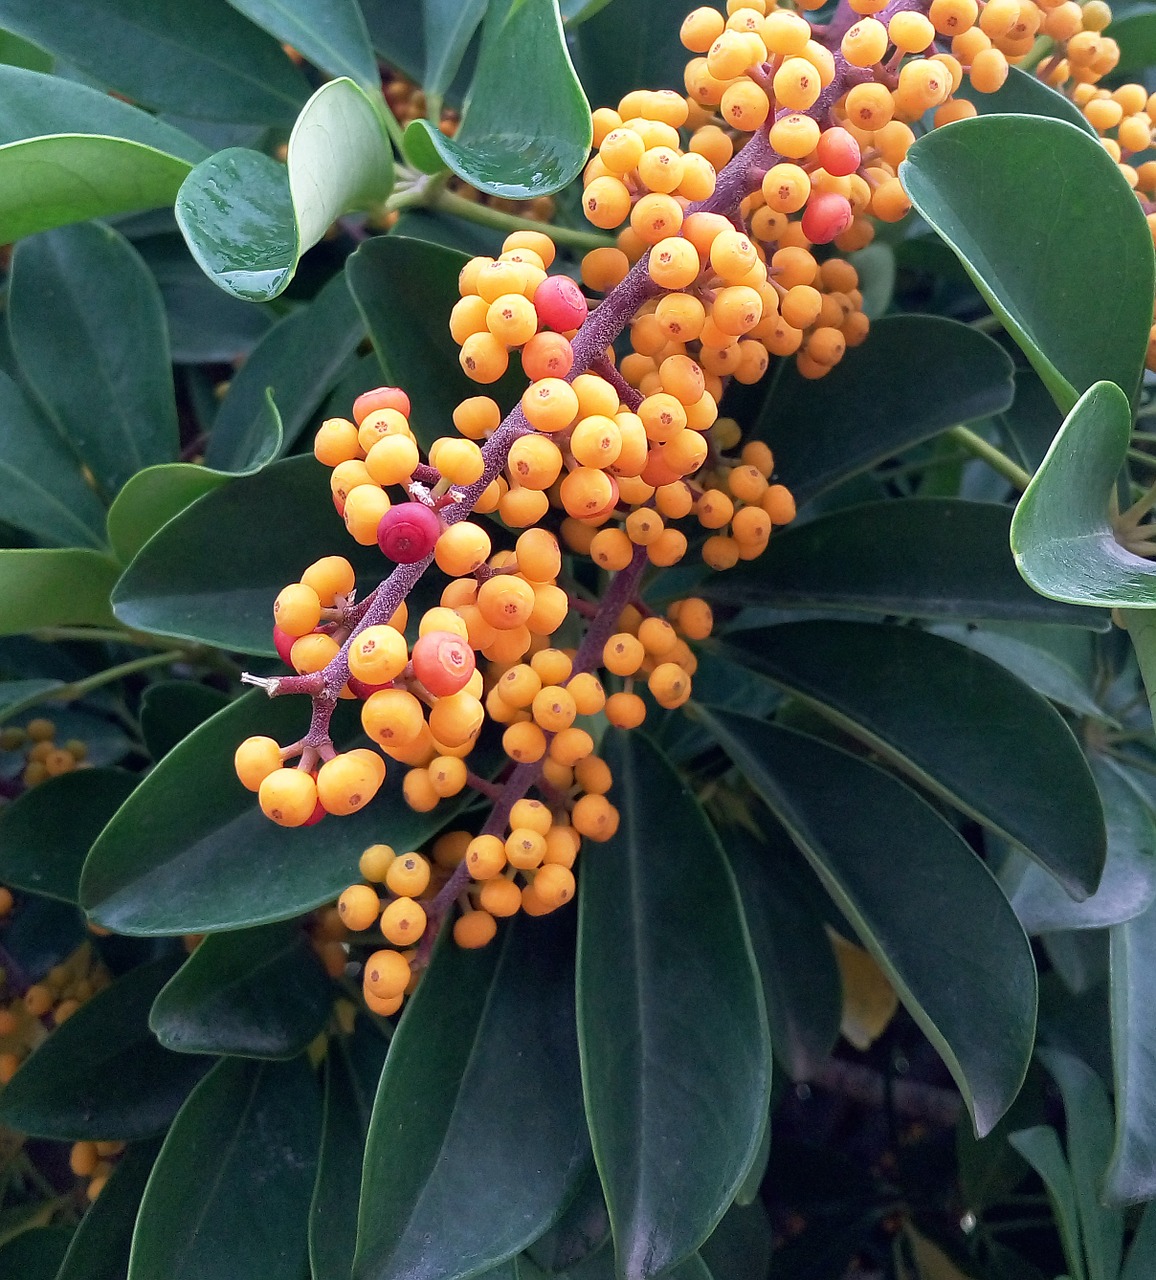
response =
{"points": [[1025, 95], [1088, 1122], [659, 913], [352, 1070], [329, 33], [42, 488], [256, 1126], [296, 363], [1129, 881], [919, 557], [248, 219], [53, 588], [100, 1246], [1061, 533], [976, 1005], [195, 58], [449, 25], [875, 404], [964, 728], [172, 709], [46, 833], [88, 329], [257, 993], [481, 1179], [169, 862], [102, 1075], [526, 130], [190, 582], [1008, 199]]}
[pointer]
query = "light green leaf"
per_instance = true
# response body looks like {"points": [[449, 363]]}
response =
{"points": [[1135, 33], [329, 33], [55, 588], [248, 220]]}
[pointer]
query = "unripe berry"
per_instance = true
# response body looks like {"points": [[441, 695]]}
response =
{"points": [[500, 897], [408, 875], [378, 655], [403, 922], [443, 662], [554, 885], [350, 780], [330, 577], [408, 532], [297, 609], [288, 797], [358, 907], [474, 929], [255, 759], [387, 974]]}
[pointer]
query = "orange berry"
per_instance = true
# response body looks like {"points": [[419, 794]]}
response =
{"points": [[403, 922], [288, 797], [474, 929], [255, 759], [350, 780], [387, 974], [359, 907]]}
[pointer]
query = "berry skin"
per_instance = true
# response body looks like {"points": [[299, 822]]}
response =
{"points": [[297, 609], [486, 857], [500, 897], [380, 398], [403, 922], [358, 907], [408, 875], [408, 532], [378, 655], [387, 974], [288, 797], [330, 577], [443, 662], [560, 304], [350, 780], [826, 216], [474, 929], [255, 759], [838, 152], [375, 862]]}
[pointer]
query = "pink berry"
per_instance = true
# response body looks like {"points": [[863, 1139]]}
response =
{"points": [[407, 532], [443, 662], [838, 152], [380, 398], [283, 643], [560, 304], [826, 216]]}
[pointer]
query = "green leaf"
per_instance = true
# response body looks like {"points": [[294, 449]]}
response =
{"points": [[43, 489], [35, 1254], [172, 709], [100, 1246], [297, 362], [740, 1246], [1129, 881], [195, 58], [190, 581], [352, 1071], [660, 932], [191, 852], [46, 833], [330, 34], [480, 1179], [1010, 199], [914, 908], [1061, 533], [248, 220], [875, 404], [1001, 754], [576, 11], [917, 557], [88, 329], [18, 695], [101, 1075], [449, 25], [1142, 1249], [1135, 33], [581, 1231], [22, 53], [1023, 94], [256, 1127], [54, 588], [1089, 1141], [405, 289], [611, 65], [256, 993], [526, 130], [33, 105], [52, 181]]}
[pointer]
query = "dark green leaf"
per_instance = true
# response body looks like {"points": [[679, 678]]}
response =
{"points": [[922, 557], [661, 932], [875, 403], [35, 1254], [582, 1230], [255, 1127], [297, 361], [1142, 1250], [1009, 199], [576, 11], [248, 219], [257, 993], [329, 33], [526, 131], [34, 105], [1129, 881], [172, 709], [99, 1249], [739, 1248], [52, 588], [353, 1069], [191, 851], [1089, 1141], [213, 573], [88, 329], [480, 1179], [1061, 534], [398, 38], [915, 910], [610, 66], [19, 695], [449, 26], [196, 58], [1032, 421], [964, 728], [1135, 33], [102, 1075], [42, 489], [1132, 1172], [47, 832], [1024, 95]]}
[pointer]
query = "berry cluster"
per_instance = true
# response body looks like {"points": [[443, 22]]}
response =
{"points": [[43, 757]]}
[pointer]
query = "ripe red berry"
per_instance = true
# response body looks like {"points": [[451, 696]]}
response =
{"points": [[560, 304], [408, 532], [826, 216], [283, 643], [443, 662], [838, 152], [319, 812], [361, 690], [380, 398]]}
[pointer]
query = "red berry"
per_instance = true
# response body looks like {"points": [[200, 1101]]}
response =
{"points": [[826, 216], [361, 690], [319, 812], [838, 152], [380, 398], [560, 304], [283, 643], [407, 533], [443, 662]]}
